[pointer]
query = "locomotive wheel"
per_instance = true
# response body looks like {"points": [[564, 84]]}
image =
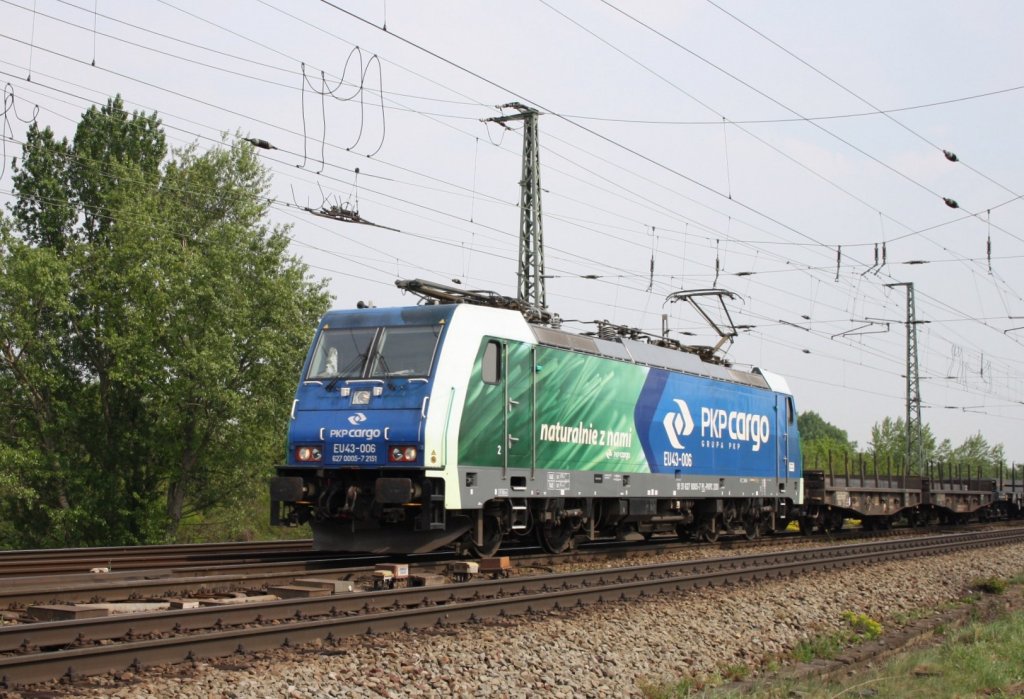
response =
{"points": [[492, 539], [554, 538], [752, 530]]}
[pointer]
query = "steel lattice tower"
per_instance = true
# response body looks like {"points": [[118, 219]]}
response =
{"points": [[915, 432], [531, 227]]}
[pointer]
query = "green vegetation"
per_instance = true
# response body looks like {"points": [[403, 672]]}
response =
{"points": [[826, 446], [152, 325], [992, 586], [821, 440], [981, 659], [861, 628]]}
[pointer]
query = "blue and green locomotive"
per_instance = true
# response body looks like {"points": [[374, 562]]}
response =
{"points": [[466, 425]]}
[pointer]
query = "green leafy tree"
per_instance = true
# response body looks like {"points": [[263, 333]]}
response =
{"points": [[976, 456], [889, 444], [152, 325], [822, 443]]}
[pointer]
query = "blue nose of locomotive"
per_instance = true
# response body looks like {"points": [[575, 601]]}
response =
{"points": [[363, 396], [354, 438]]}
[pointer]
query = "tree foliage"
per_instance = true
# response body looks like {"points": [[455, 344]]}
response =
{"points": [[975, 455], [152, 325], [823, 444], [821, 441], [889, 443]]}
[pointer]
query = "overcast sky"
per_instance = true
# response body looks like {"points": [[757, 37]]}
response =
{"points": [[737, 144]]}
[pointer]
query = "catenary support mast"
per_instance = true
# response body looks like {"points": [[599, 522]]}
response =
{"points": [[531, 229], [915, 432]]}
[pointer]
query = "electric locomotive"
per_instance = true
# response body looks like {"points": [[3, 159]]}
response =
{"points": [[461, 423]]}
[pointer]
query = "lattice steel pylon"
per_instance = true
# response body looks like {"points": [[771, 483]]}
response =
{"points": [[531, 226], [915, 432]]}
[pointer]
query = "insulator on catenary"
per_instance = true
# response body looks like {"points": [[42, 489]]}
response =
{"points": [[261, 143]]}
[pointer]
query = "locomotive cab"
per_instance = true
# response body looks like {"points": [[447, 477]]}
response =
{"points": [[356, 464]]}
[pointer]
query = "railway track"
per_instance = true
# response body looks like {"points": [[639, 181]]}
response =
{"points": [[127, 558], [18, 593], [260, 570], [41, 652]]}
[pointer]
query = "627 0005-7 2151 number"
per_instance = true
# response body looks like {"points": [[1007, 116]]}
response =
{"points": [[354, 459], [352, 453]]}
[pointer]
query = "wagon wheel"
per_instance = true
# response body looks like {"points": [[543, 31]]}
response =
{"points": [[492, 539], [707, 531], [708, 534], [554, 538]]}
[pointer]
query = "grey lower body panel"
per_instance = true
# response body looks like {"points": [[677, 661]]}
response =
{"points": [[478, 485]]}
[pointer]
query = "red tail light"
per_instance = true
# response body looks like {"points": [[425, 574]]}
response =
{"points": [[309, 454], [402, 454]]}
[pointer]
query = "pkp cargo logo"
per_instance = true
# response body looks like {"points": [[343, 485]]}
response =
{"points": [[678, 424], [356, 419]]}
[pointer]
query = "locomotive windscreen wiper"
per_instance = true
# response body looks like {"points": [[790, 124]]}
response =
{"points": [[377, 355], [347, 370]]}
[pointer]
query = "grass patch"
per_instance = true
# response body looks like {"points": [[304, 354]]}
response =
{"points": [[829, 646], [981, 659], [735, 673], [992, 586], [860, 628], [864, 626], [684, 688]]}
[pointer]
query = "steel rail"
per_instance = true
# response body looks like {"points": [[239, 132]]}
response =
{"points": [[420, 607], [231, 577], [36, 562], [138, 584], [130, 559]]}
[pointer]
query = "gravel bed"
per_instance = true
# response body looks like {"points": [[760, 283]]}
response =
{"points": [[611, 650]]}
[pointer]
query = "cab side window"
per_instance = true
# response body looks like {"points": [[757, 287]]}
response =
{"points": [[491, 368]]}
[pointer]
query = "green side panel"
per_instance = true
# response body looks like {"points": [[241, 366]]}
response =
{"points": [[482, 430], [566, 411], [585, 407]]}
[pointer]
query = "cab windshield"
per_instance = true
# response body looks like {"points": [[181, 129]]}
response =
{"points": [[358, 353]]}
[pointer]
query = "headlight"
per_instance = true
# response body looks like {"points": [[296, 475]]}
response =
{"points": [[361, 397], [399, 454], [308, 454]]}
